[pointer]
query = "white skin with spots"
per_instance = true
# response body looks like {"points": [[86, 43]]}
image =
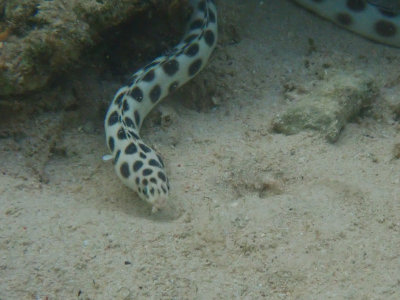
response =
{"points": [[374, 19], [136, 164]]}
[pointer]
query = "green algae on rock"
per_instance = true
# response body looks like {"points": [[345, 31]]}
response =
{"points": [[49, 37]]}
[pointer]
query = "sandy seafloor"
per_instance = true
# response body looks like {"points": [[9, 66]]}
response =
{"points": [[252, 213]]}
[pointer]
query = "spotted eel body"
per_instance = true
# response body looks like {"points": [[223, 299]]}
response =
{"points": [[136, 164], [378, 20], [139, 166]]}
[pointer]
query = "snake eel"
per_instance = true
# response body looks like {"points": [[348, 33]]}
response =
{"points": [[137, 164]]}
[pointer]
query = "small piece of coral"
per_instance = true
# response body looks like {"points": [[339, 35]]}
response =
{"points": [[328, 105]]}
